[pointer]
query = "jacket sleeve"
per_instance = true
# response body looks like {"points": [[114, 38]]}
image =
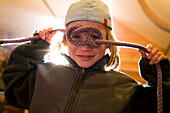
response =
{"points": [[149, 73], [19, 75]]}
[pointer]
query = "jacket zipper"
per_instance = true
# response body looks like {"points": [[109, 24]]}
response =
{"points": [[72, 102], [80, 80]]}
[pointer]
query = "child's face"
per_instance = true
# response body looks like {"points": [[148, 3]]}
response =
{"points": [[86, 56]]}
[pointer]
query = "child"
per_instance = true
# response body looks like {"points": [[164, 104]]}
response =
{"points": [[84, 86]]}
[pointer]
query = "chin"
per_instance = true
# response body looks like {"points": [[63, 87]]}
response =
{"points": [[85, 66]]}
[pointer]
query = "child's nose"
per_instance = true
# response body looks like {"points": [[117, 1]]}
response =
{"points": [[84, 36], [85, 48]]}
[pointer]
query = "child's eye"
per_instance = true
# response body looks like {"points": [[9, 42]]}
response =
{"points": [[76, 37], [95, 37]]}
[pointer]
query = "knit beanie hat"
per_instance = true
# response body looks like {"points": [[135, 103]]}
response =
{"points": [[90, 10]]}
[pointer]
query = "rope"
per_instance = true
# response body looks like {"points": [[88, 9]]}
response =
{"points": [[96, 43]]}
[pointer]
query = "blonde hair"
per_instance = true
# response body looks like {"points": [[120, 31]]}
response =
{"points": [[114, 57]]}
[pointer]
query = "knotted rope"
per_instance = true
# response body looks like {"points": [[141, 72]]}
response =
{"points": [[96, 43]]}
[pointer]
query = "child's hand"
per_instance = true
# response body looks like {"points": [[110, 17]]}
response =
{"points": [[154, 55], [47, 34]]}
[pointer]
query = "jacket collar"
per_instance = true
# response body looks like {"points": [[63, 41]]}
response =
{"points": [[97, 66]]}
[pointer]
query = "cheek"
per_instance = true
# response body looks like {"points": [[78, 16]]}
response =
{"points": [[100, 52], [102, 49], [71, 49]]}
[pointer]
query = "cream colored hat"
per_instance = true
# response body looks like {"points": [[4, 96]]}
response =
{"points": [[90, 10]]}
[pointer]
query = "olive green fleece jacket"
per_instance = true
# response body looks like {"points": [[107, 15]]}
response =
{"points": [[20, 75]]}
